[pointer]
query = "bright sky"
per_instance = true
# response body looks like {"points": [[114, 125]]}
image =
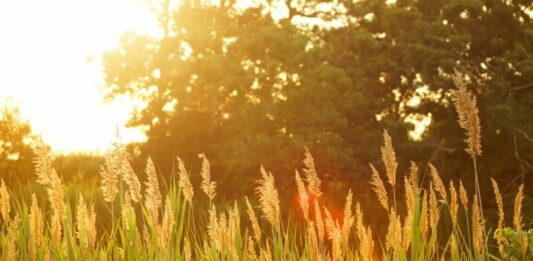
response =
{"points": [[44, 46]]}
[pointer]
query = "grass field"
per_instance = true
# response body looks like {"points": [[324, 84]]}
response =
{"points": [[153, 221]]}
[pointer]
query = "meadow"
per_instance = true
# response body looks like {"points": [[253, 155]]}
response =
{"points": [[152, 220]]}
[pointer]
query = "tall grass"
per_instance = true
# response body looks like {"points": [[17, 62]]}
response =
{"points": [[153, 221]]}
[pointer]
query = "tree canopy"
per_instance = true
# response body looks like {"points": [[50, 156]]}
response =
{"points": [[16, 151], [256, 85]]}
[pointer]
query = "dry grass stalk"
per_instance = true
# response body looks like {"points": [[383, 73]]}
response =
{"points": [[268, 198], [56, 231], [499, 201], [129, 176], [207, 185], [348, 219], [213, 227], [379, 188], [517, 219], [463, 195], [413, 175], [453, 245], [127, 212], [394, 233], [359, 226], [311, 175], [43, 164], [233, 227], [5, 205], [49, 177], [91, 224], [477, 228], [56, 196], [184, 182], [389, 158], [253, 220], [334, 234], [408, 222], [454, 205], [12, 252], [409, 196], [312, 241], [82, 214], [187, 252], [319, 222], [165, 229], [36, 228], [222, 229], [364, 236], [303, 198], [439, 185], [517, 216], [249, 251], [85, 225], [424, 216], [466, 107], [110, 173], [152, 197], [367, 249], [434, 213], [406, 232]]}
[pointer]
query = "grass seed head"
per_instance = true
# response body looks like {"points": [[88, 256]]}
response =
{"points": [[303, 198], [268, 198], [463, 195], [348, 218], [437, 182], [207, 185], [434, 214], [454, 205], [152, 198], [129, 176], [319, 222], [185, 182], [517, 216], [477, 228], [311, 175], [466, 107], [5, 205], [379, 188], [389, 158], [167, 226], [36, 228], [253, 220], [110, 174]]}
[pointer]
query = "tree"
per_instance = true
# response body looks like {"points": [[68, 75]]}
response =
{"points": [[246, 88], [213, 85], [409, 49], [16, 152]]}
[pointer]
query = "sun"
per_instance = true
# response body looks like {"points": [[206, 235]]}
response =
{"points": [[49, 65]]}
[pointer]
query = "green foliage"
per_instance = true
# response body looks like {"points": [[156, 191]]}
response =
{"points": [[16, 151], [135, 236], [79, 167], [247, 89], [515, 243]]}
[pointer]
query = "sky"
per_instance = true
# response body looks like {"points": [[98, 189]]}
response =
{"points": [[45, 67]]}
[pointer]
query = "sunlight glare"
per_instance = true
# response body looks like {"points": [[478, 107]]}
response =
{"points": [[49, 66]]}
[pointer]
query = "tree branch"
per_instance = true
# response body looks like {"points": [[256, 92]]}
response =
{"points": [[525, 87]]}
